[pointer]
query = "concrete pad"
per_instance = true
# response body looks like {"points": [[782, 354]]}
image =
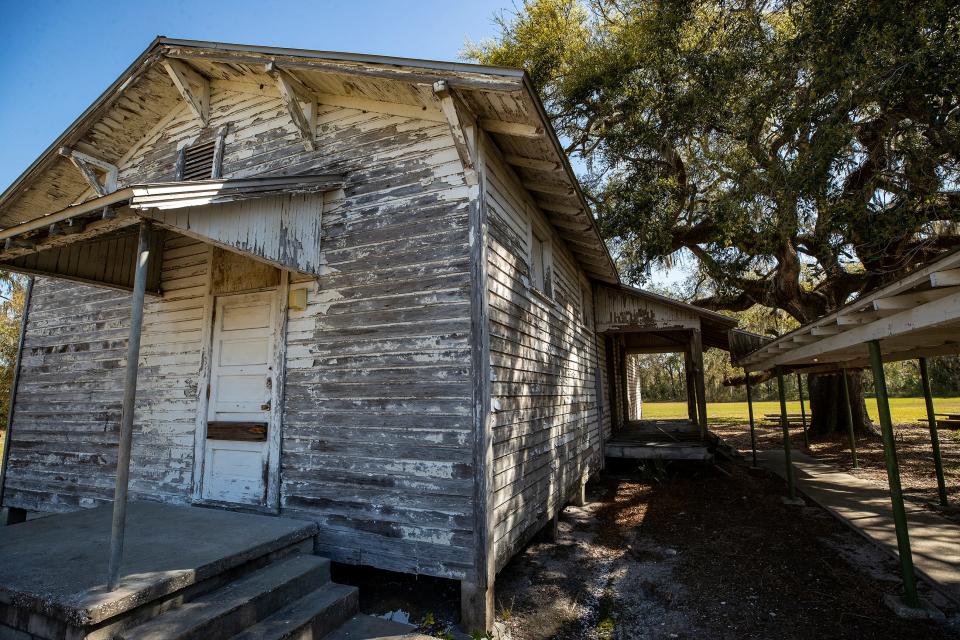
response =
{"points": [[866, 508], [926, 611], [58, 565]]}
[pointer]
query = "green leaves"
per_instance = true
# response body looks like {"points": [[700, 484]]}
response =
{"points": [[791, 141]]}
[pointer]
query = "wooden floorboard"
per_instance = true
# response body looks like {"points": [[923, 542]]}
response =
{"points": [[659, 440]]}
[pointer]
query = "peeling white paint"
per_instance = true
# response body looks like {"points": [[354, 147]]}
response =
{"points": [[325, 299]]}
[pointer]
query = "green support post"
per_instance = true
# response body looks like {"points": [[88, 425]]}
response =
{"points": [[893, 477], [785, 425], [850, 430], [753, 432], [934, 437], [803, 412]]}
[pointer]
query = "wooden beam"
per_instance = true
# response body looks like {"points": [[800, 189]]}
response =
{"points": [[948, 278], [862, 317], [560, 208], [568, 225], [515, 129], [696, 353], [552, 189], [68, 212], [98, 227], [531, 163], [462, 125], [19, 243], [292, 92], [331, 65], [86, 164], [193, 87], [916, 320], [910, 300], [824, 331]]}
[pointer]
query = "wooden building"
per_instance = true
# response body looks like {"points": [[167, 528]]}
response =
{"points": [[375, 298]]}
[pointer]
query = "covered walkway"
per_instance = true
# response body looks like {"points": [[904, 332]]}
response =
{"points": [[635, 322], [866, 508], [915, 317]]}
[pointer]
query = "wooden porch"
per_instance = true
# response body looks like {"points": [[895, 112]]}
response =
{"points": [[660, 440]]}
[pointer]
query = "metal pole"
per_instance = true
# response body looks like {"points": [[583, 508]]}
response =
{"points": [[129, 405], [28, 291], [893, 476], [934, 437], [803, 412], [753, 432], [850, 430], [785, 426]]}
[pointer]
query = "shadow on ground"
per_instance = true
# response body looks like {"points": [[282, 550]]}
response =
{"points": [[694, 554]]}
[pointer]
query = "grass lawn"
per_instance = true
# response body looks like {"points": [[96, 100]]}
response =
{"points": [[903, 410], [729, 421]]}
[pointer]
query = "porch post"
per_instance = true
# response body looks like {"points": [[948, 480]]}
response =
{"points": [[753, 432], [893, 476], [696, 347], [847, 403], [129, 401], [785, 426], [803, 412], [934, 437], [691, 385]]}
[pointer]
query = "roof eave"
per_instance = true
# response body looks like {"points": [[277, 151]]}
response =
{"points": [[65, 138]]}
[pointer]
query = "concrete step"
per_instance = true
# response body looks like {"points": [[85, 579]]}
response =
{"points": [[364, 627], [310, 618], [222, 613]]}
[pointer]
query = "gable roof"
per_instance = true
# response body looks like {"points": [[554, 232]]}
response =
{"points": [[503, 101]]}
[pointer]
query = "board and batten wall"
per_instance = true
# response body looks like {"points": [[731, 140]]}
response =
{"points": [[544, 360], [378, 407]]}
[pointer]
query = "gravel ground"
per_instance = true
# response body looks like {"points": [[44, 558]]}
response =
{"points": [[685, 552], [694, 554]]}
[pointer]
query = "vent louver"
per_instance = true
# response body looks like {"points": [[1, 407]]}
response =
{"points": [[198, 161]]}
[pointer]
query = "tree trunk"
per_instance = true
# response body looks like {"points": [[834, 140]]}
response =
{"points": [[828, 411]]}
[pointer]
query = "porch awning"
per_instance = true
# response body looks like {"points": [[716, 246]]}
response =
{"points": [[94, 241], [917, 316], [629, 310]]}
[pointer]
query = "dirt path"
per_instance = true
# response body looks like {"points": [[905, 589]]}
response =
{"points": [[698, 555]]}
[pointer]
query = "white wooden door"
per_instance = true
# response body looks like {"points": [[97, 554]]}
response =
{"points": [[236, 455]]}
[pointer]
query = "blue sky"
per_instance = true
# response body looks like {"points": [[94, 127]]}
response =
{"points": [[57, 57]]}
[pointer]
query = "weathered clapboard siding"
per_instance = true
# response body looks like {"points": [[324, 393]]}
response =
{"points": [[378, 406], [63, 452], [378, 423], [544, 361], [617, 309]]}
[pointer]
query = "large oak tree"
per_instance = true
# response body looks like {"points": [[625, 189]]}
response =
{"points": [[802, 152]]}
